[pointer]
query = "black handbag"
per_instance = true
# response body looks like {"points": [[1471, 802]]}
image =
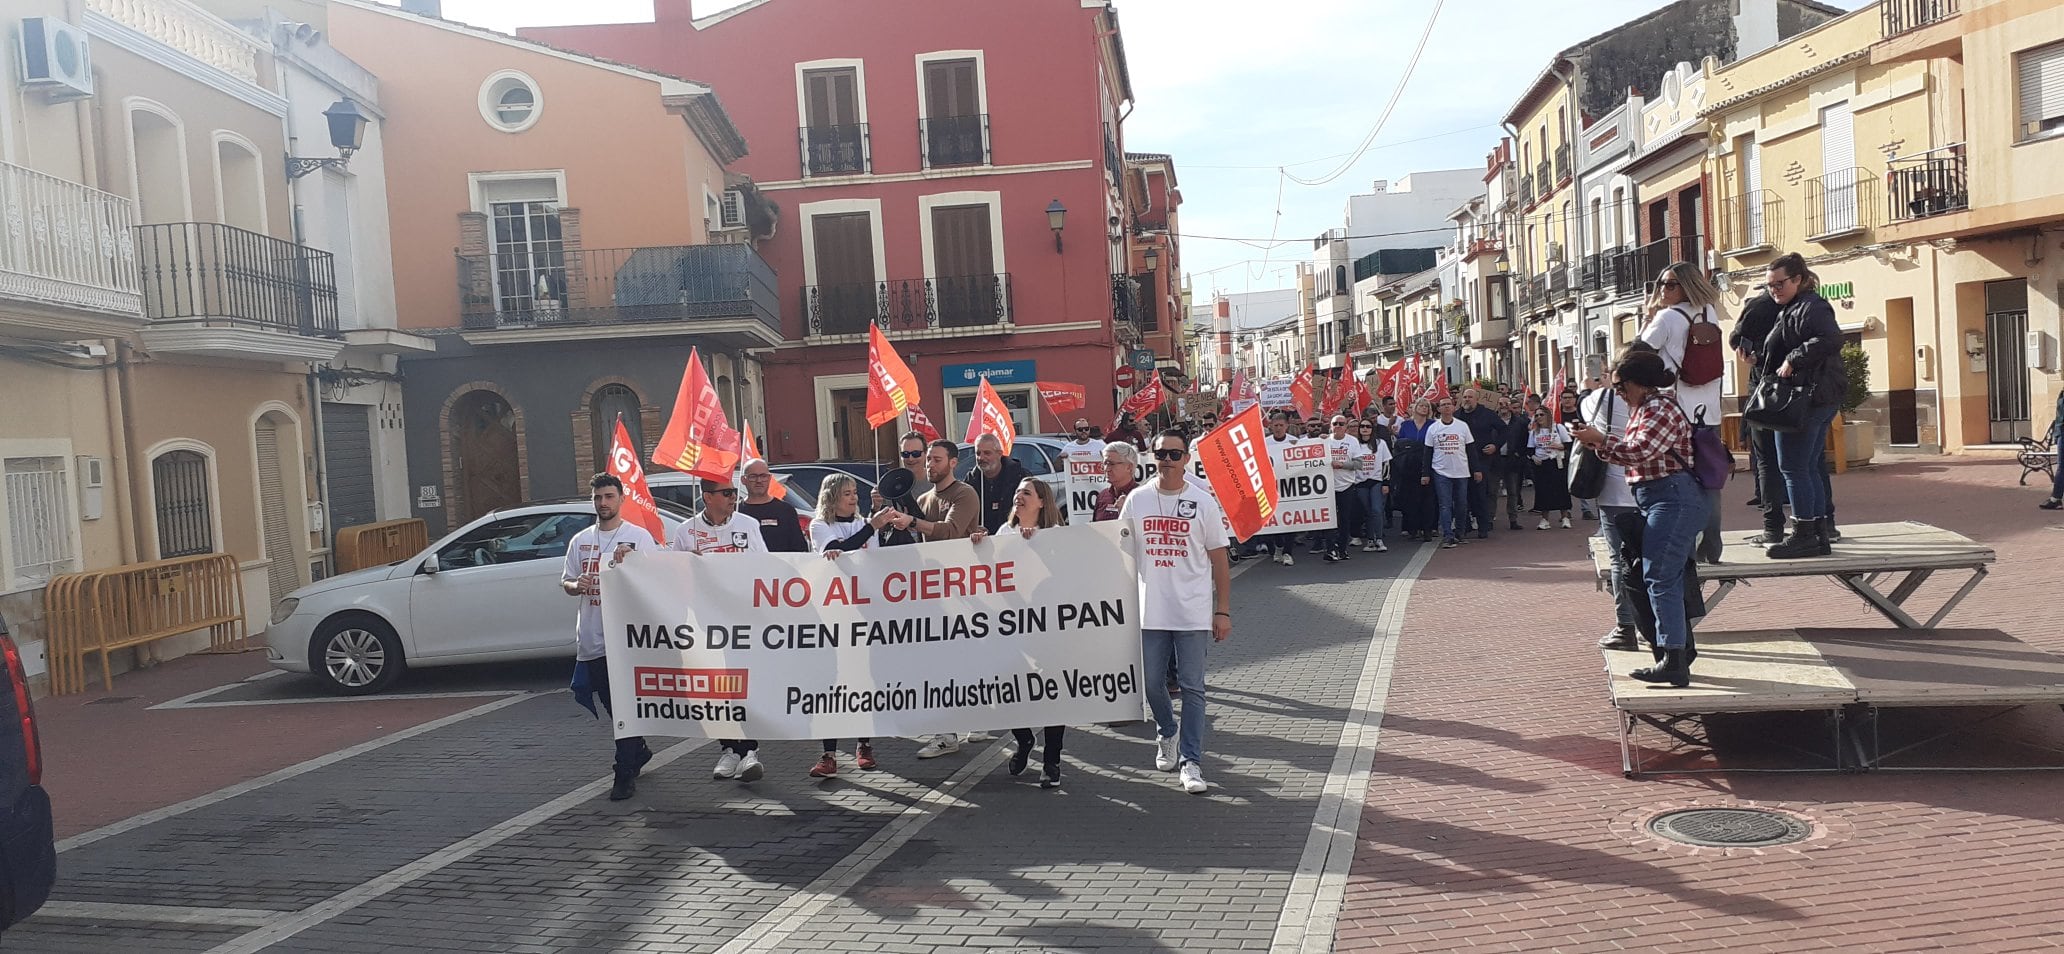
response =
{"points": [[1587, 470], [1779, 405]]}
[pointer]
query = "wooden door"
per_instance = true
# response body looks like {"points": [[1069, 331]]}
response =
{"points": [[484, 428], [845, 299], [954, 126], [831, 109], [964, 266], [851, 438]]}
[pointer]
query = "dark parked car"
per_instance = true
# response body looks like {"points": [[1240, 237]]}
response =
{"points": [[28, 842]]}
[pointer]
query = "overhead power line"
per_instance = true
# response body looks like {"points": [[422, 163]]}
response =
{"points": [[1395, 95]]}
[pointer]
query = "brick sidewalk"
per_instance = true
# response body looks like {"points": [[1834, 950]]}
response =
{"points": [[1497, 817]]}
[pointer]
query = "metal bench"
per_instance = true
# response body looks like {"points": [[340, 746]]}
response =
{"points": [[2037, 457]]}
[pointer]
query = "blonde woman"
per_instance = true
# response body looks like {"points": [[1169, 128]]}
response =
{"points": [[839, 528], [1034, 508]]}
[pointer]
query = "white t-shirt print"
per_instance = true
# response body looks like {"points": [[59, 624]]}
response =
{"points": [[1172, 536]]}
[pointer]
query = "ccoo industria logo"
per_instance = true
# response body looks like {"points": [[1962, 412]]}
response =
{"points": [[690, 683]]}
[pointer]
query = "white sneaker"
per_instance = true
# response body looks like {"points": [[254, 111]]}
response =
{"points": [[1277, 557], [1354, 541], [1565, 523], [1164, 754], [940, 745], [1373, 548], [977, 737], [1544, 524], [749, 768], [1381, 547], [1193, 779], [727, 765], [1289, 560]]}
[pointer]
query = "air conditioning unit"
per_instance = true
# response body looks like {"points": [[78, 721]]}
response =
{"points": [[733, 216], [55, 59], [1555, 251]]}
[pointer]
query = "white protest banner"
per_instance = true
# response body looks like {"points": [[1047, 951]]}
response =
{"points": [[1275, 393], [1304, 489], [901, 641], [1087, 478]]}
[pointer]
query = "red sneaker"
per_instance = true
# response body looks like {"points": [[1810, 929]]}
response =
{"points": [[826, 767], [864, 758]]}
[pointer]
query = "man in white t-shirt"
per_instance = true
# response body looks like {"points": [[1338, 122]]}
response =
{"points": [[720, 528], [1085, 446], [1344, 457], [1283, 541], [1178, 535], [607, 541], [1454, 467]]}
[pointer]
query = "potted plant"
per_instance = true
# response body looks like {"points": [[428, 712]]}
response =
{"points": [[1859, 438]]}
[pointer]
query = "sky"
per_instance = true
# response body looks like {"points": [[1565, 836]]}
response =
{"points": [[1235, 90]]}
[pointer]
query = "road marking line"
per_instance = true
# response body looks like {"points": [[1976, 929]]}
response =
{"points": [[157, 913], [283, 928], [1318, 888], [800, 909], [223, 794], [393, 697], [205, 693]]}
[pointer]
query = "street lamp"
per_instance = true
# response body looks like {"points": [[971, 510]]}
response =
{"points": [[1056, 217], [1153, 257], [347, 134]]}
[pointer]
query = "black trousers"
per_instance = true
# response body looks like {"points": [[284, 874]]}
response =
{"points": [[831, 745], [631, 753], [1051, 753]]}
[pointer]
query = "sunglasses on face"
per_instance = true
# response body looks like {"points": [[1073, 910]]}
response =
{"points": [[1081, 428], [726, 492], [1668, 283], [912, 455], [1168, 455]]}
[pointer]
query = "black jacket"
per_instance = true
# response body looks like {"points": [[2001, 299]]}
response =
{"points": [[1758, 316], [996, 494], [1807, 335], [1485, 427], [1511, 438]]}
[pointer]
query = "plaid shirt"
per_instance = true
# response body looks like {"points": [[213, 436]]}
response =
{"points": [[1656, 444]]}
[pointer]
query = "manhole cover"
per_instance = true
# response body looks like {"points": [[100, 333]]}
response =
{"points": [[1730, 827]]}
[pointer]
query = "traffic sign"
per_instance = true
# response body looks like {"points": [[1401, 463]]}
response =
{"points": [[1126, 377], [1142, 359]]}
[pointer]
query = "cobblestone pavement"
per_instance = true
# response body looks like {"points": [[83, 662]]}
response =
{"points": [[1497, 818], [486, 829]]}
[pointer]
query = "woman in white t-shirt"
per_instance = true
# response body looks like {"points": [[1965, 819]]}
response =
{"points": [[839, 528], [1549, 442], [1033, 508], [1683, 297]]}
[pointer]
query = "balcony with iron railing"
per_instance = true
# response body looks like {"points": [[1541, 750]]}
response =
{"points": [[1526, 190], [725, 291], [1562, 162], [1644, 262], [1558, 280], [1544, 177], [1841, 204], [214, 288], [1900, 16], [842, 150], [1114, 161], [960, 303], [1385, 340], [1751, 222], [954, 140], [67, 259], [1932, 183], [1482, 245]]}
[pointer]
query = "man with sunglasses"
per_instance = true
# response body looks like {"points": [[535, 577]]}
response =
{"points": [[951, 510], [1085, 445], [912, 459], [1344, 455], [720, 528], [1177, 532]]}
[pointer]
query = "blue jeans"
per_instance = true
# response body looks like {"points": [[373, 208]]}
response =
{"points": [[2057, 487], [1674, 509], [1453, 494], [1375, 510], [1622, 574], [1187, 649], [1799, 457]]}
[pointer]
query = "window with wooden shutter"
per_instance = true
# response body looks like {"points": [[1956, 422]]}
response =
{"points": [[834, 138], [2042, 90], [956, 132]]}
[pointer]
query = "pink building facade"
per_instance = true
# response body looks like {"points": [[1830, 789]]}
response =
{"points": [[918, 151]]}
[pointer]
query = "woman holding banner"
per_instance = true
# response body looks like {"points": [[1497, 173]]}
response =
{"points": [[839, 528], [1034, 508], [1411, 476]]}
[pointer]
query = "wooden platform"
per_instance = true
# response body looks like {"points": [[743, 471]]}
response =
{"points": [[1851, 670], [1867, 555]]}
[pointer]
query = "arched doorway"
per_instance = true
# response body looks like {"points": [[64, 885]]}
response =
{"points": [[611, 403], [483, 428]]}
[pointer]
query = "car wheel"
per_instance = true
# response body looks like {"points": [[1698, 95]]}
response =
{"points": [[355, 654]]}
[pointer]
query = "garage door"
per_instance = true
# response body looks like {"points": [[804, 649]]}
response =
{"points": [[348, 457]]}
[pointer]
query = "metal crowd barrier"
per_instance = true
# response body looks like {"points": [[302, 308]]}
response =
{"points": [[106, 610], [378, 544]]}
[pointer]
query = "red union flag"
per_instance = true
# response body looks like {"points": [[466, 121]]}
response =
{"points": [[1555, 395], [890, 386], [991, 417], [698, 439], [1301, 392], [1062, 398], [1236, 462], [1147, 399], [638, 507], [921, 423]]}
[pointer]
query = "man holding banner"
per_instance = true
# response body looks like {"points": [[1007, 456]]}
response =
{"points": [[608, 539], [720, 528], [1177, 533]]}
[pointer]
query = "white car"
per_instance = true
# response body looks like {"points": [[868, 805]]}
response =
{"points": [[488, 592]]}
